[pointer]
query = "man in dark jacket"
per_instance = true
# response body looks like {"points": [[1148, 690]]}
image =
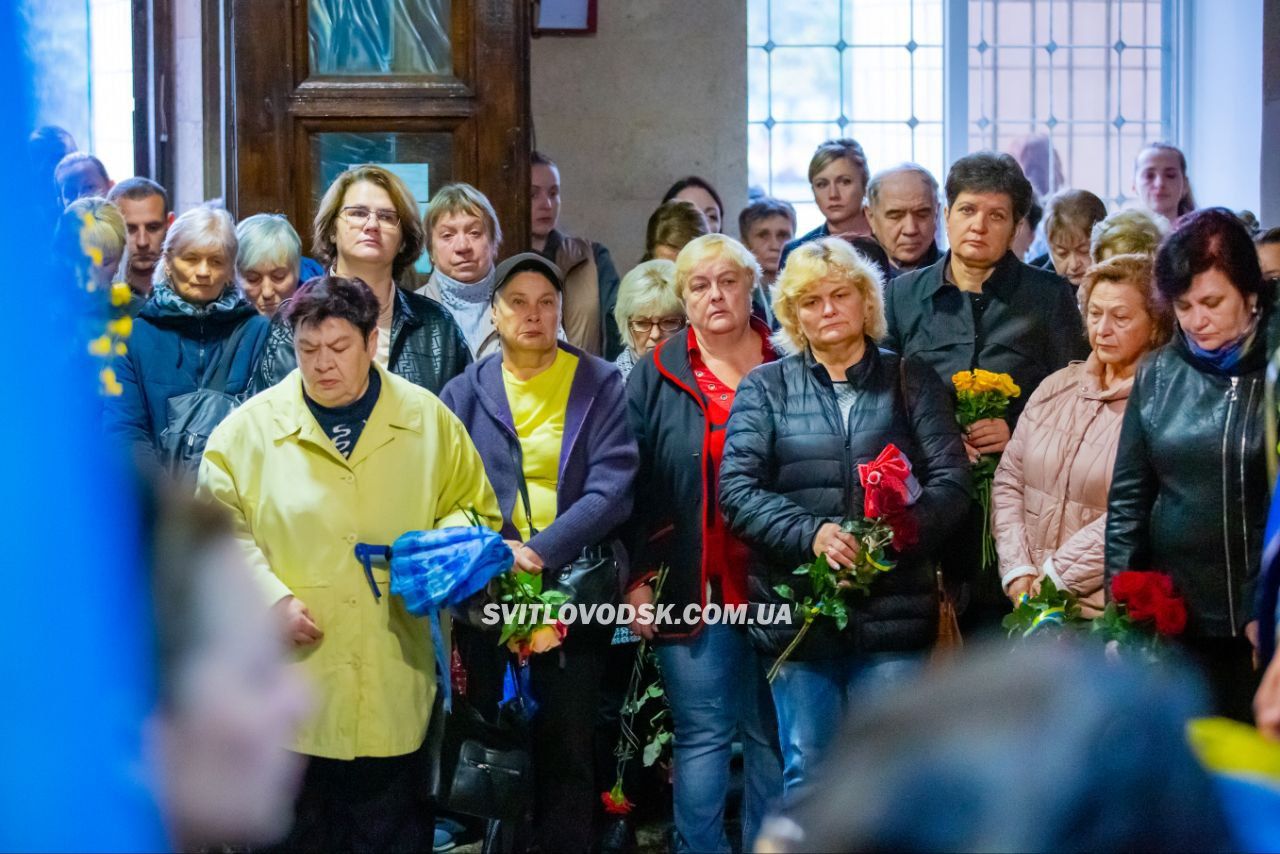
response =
{"points": [[980, 307], [590, 279]]}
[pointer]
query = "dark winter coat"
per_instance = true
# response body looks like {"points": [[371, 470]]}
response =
{"points": [[173, 349], [1031, 326], [790, 465]]}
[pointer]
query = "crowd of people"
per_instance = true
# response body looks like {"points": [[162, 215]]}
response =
{"points": [[706, 413]]}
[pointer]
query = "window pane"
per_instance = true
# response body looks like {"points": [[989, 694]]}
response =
{"points": [[793, 147], [757, 85], [406, 37], [809, 84], [815, 22], [876, 22], [879, 83]]}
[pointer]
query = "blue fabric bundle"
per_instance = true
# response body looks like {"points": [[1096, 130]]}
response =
{"points": [[441, 568]]}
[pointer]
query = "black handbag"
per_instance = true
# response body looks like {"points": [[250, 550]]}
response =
{"points": [[589, 579], [190, 418], [481, 769]]}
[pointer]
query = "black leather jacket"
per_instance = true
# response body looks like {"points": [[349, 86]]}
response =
{"points": [[427, 347], [1189, 494], [1031, 326], [790, 465]]}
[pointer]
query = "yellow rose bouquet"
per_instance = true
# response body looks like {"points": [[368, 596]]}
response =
{"points": [[981, 395]]}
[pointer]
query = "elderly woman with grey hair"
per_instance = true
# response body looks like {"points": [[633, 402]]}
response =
{"points": [[648, 311], [192, 349], [269, 261]]}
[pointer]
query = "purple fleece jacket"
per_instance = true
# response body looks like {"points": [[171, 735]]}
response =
{"points": [[598, 457]]}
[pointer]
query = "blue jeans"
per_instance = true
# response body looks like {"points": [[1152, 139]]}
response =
{"points": [[716, 688], [813, 698]]}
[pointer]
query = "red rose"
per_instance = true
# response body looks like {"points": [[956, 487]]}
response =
{"points": [[1127, 583], [885, 497], [1171, 616], [616, 803]]}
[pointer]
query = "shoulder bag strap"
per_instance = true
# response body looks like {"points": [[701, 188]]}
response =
{"points": [[222, 370], [517, 459]]}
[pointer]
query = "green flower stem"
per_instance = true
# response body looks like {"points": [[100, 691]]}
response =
{"points": [[791, 647]]}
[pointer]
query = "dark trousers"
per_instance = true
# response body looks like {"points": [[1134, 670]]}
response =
{"points": [[1227, 666], [566, 686], [363, 805], [980, 600]]}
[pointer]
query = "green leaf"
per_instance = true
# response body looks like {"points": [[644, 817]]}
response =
{"points": [[654, 690], [784, 591], [507, 631]]}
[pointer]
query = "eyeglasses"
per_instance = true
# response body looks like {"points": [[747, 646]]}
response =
{"points": [[358, 215], [667, 325]]}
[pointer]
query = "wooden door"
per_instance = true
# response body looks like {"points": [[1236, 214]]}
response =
{"points": [[438, 88]]}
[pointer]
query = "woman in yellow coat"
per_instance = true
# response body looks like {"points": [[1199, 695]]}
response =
{"points": [[340, 452]]}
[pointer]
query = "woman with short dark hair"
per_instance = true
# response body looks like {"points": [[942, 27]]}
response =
{"points": [[340, 452], [1189, 495]]}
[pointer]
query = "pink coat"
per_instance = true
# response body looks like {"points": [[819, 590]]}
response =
{"points": [[1049, 500]]}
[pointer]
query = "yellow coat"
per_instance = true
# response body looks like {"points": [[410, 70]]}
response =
{"points": [[300, 508]]}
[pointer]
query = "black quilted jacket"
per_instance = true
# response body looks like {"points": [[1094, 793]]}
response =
{"points": [[789, 466], [427, 347]]}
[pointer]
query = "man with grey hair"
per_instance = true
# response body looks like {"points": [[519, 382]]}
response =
{"points": [[902, 207]]}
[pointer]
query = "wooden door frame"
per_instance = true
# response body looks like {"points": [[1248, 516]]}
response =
{"points": [[153, 92], [272, 102]]}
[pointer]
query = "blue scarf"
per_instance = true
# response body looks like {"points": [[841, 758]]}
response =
{"points": [[1227, 356]]}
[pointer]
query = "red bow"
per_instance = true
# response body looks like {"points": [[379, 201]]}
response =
{"points": [[889, 464]]}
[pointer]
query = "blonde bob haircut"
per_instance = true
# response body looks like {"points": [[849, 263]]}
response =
{"points": [[324, 228], [714, 247], [102, 224], [1137, 270], [649, 287], [1127, 232], [817, 261]]}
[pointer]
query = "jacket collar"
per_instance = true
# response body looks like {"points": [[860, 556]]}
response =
{"points": [[1091, 382], [1003, 277], [857, 374], [393, 413], [166, 307]]}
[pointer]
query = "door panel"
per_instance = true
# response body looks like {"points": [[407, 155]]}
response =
{"points": [[391, 88]]}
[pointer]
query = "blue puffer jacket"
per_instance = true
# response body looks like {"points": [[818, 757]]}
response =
{"points": [[174, 344]]}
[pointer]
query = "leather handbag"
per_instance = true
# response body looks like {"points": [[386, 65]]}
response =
{"points": [[482, 769], [589, 579], [948, 640]]}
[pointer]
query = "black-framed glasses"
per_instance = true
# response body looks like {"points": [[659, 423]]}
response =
{"points": [[667, 325], [358, 215]]}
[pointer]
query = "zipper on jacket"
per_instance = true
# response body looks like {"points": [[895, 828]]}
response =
{"points": [[1226, 522], [1244, 441]]}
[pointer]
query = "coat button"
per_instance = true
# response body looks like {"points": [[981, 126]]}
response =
{"points": [[350, 538]]}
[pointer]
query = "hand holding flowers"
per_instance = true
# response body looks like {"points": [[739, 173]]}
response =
{"points": [[852, 554], [982, 401]]}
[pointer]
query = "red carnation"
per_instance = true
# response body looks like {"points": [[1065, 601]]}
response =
{"points": [[616, 803]]}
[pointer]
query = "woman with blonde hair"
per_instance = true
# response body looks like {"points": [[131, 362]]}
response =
{"points": [[1049, 500], [800, 429], [678, 402], [838, 176], [648, 311], [1127, 232]]}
